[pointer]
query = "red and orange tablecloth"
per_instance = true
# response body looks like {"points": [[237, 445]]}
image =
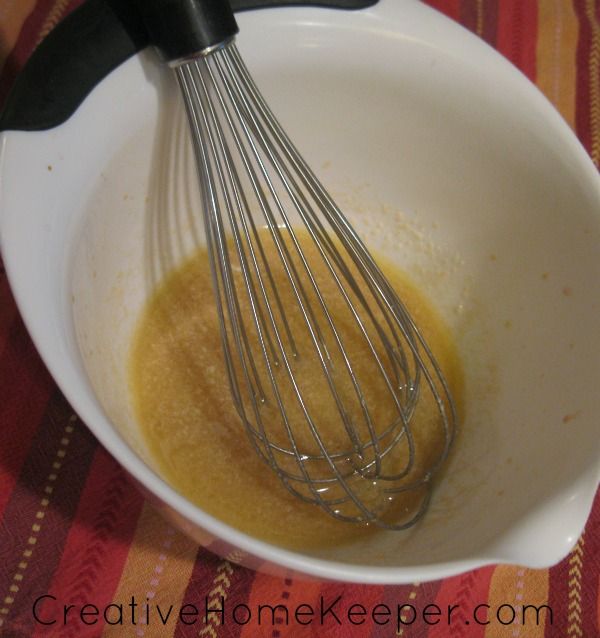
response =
{"points": [[72, 526]]}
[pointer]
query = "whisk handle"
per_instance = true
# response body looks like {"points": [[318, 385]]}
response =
{"points": [[84, 48], [183, 28]]}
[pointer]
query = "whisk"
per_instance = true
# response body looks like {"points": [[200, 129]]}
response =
{"points": [[332, 380]]}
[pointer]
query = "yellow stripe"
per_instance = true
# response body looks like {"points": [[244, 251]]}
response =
{"points": [[479, 23], [574, 613], [594, 78], [13, 14], [219, 589], [515, 587], [411, 599], [159, 563], [556, 55]]}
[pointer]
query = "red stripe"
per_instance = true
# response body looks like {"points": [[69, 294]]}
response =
{"points": [[449, 7], [24, 393], [468, 14], [583, 107], [8, 308], [490, 21], [363, 596], [97, 545], [465, 592], [517, 34], [295, 595], [481, 17], [400, 595], [597, 614]]}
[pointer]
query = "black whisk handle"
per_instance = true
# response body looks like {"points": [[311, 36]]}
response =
{"points": [[180, 29]]}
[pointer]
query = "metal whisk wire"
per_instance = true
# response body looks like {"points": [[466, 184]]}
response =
{"points": [[257, 191]]}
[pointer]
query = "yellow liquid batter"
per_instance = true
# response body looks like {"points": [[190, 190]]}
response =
{"points": [[183, 403]]}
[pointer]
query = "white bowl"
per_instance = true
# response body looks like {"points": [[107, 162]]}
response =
{"points": [[448, 161]]}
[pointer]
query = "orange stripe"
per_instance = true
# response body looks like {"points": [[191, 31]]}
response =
{"points": [[556, 55], [515, 587], [13, 14], [158, 567], [535, 592]]}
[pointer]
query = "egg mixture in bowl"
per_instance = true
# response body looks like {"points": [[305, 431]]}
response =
{"points": [[187, 415]]}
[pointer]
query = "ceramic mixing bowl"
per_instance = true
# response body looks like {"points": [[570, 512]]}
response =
{"points": [[449, 162]]}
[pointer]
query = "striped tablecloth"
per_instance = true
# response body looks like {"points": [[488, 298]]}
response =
{"points": [[73, 527]]}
